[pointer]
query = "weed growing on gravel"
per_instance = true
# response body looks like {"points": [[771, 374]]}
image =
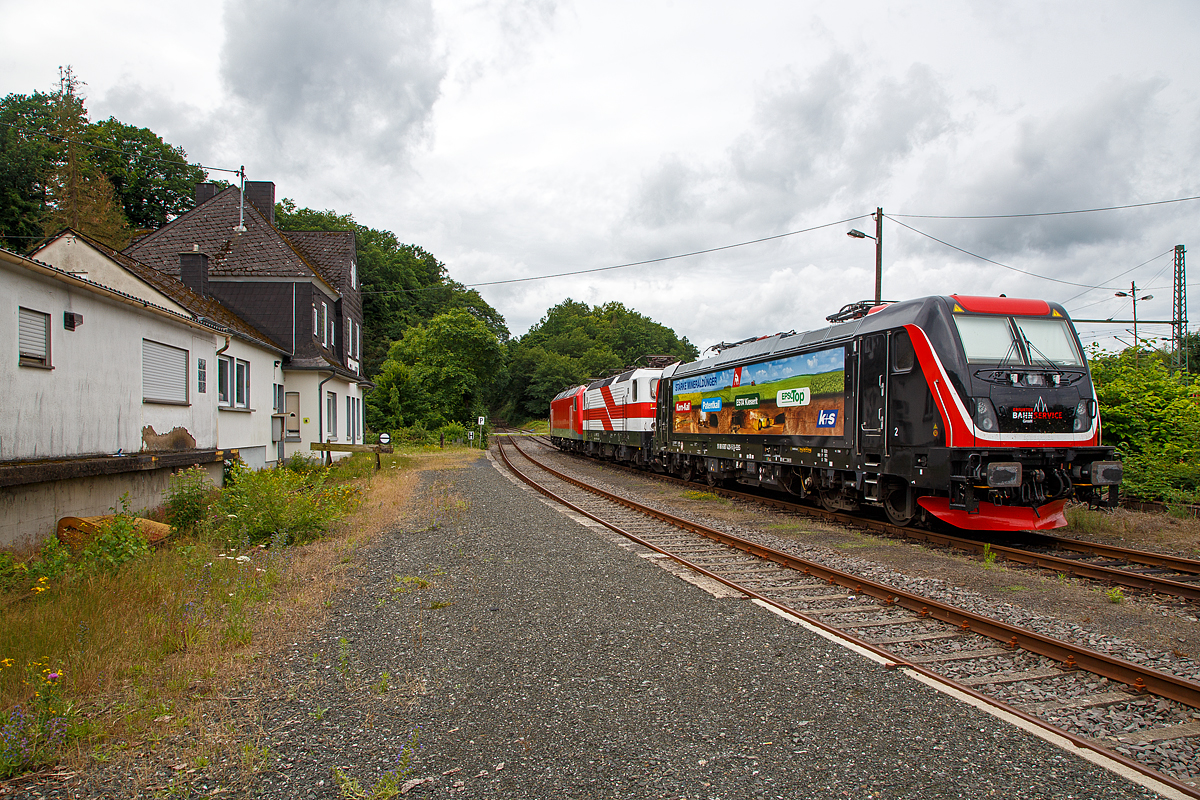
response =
{"points": [[253, 757], [318, 713], [437, 604], [408, 583], [344, 657], [696, 494], [1115, 595], [989, 556], [391, 783], [381, 686]]}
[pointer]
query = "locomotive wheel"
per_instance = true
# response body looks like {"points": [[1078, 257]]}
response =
{"points": [[687, 472], [712, 478], [894, 498], [829, 500]]}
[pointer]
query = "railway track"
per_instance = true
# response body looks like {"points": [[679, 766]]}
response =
{"points": [[1086, 696], [1139, 570]]}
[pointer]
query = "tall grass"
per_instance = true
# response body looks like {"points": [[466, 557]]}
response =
{"points": [[144, 628]]}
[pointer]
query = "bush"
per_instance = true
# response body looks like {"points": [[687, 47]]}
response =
{"points": [[258, 506], [189, 495], [118, 542], [302, 464], [452, 431], [418, 435], [53, 561]]}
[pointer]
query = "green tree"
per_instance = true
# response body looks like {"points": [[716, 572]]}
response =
{"points": [[25, 161], [58, 169], [1152, 417], [153, 180], [574, 343], [439, 372], [403, 285], [79, 195]]}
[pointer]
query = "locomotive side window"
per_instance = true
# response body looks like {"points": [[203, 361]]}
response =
{"points": [[987, 339], [1049, 340], [654, 388], [903, 356]]}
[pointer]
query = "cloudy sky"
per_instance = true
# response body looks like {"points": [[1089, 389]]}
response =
{"points": [[534, 137]]}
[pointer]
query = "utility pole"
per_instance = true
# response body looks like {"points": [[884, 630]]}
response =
{"points": [[878, 237], [878, 255], [1137, 343], [1179, 312]]}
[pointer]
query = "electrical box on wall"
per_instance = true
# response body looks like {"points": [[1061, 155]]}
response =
{"points": [[72, 320]]}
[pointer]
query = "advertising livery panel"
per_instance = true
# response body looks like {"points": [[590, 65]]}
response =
{"points": [[801, 395]]}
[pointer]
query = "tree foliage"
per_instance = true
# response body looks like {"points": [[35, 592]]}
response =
{"points": [[26, 156], [57, 169], [1152, 416], [403, 285], [152, 180], [437, 373], [575, 342], [78, 194]]}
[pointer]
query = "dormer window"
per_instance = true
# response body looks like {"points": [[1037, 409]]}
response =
{"points": [[325, 324]]}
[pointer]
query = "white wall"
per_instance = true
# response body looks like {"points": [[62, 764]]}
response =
{"points": [[77, 256], [306, 383], [239, 428], [91, 400]]}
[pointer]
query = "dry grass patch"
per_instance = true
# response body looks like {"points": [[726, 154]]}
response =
{"points": [[1137, 529], [147, 653]]}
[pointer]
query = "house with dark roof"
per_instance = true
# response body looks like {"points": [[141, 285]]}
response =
{"points": [[242, 373], [216, 335], [102, 394], [300, 289]]}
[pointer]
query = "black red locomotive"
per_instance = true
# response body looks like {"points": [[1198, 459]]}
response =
{"points": [[979, 411]]}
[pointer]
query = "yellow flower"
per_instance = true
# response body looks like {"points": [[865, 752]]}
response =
{"points": [[8, 662]]}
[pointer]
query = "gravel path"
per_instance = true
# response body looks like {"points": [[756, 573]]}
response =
{"points": [[534, 658]]}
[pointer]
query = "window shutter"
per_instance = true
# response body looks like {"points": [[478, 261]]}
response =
{"points": [[34, 331], [164, 373]]}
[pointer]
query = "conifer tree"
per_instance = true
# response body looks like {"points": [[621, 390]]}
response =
{"points": [[79, 195]]}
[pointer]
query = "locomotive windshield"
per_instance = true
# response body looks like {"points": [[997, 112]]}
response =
{"points": [[1018, 340], [1049, 340]]}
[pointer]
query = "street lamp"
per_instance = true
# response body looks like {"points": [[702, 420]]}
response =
{"points": [[1132, 293], [878, 237]]}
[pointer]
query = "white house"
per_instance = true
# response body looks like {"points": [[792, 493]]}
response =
{"points": [[102, 398], [243, 372]]}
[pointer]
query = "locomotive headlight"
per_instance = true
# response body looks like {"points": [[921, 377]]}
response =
{"points": [[984, 413], [1083, 419], [1035, 379]]}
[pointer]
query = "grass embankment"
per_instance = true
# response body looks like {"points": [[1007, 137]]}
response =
{"points": [[1136, 529], [117, 647]]}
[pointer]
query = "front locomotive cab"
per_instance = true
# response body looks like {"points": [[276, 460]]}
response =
{"points": [[1026, 429]]}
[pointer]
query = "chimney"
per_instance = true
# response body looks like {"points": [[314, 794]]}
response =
{"points": [[261, 195], [193, 270], [206, 192]]}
